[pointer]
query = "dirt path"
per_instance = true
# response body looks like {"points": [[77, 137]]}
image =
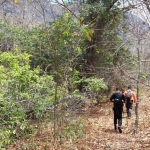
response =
{"points": [[99, 131], [101, 135]]}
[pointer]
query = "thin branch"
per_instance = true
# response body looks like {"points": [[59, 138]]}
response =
{"points": [[64, 6]]}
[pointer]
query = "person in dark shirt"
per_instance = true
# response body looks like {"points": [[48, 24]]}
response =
{"points": [[118, 99]]}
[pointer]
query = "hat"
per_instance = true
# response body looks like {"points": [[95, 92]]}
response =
{"points": [[129, 86]]}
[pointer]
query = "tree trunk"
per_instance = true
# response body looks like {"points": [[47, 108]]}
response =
{"points": [[137, 103]]}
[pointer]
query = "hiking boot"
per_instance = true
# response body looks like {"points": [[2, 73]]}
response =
{"points": [[119, 128]]}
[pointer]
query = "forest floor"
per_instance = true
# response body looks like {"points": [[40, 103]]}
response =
{"points": [[99, 131]]}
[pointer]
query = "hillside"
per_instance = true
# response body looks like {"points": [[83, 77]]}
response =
{"points": [[99, 131], [34, 13], [27, 15], [45, 11]]}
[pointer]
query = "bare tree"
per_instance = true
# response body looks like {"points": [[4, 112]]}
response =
{"points": [[138, 35]]}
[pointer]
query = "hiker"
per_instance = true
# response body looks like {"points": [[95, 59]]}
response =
{"points": [[117, 98], [130, 97]]}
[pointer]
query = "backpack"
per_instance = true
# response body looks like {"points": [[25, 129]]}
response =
{"points": [[117, 98], [128, 95]]}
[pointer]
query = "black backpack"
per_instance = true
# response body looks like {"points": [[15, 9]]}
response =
{"points": [[117, 98]]}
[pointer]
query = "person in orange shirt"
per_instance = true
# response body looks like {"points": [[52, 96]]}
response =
{"points": [[130, 98]]}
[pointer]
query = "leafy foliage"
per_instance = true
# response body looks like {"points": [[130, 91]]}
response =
{"points": [[105, 26], [73, 131], [58, 44], [43, 65], [95, 84], [22, 89]]}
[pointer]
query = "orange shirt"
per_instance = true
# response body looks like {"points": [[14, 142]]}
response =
{"points": [[133, 96]]}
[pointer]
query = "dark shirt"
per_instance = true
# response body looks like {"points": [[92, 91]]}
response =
{"points": [[117, 98]]}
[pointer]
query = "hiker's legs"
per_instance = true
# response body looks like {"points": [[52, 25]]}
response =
{"points": [[119, 128], [120, 117], [115, 121], [120, 124], [128, 109], [120, 120]]}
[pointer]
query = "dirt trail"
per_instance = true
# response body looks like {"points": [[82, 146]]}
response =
{"points": [[101, 135], [99, 131]]}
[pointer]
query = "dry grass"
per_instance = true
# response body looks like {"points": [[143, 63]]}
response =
{"points": [[99, 132]]}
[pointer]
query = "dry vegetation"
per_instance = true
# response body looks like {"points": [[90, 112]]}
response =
{"points": [[99, 131], [98, 128]]}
